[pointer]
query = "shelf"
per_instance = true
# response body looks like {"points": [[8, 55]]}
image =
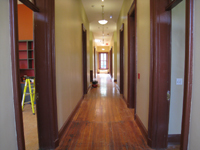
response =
{"points": [[26, 58], [28, 69]]}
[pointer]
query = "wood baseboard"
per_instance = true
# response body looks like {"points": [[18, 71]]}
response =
{"points": [[117, 87], [141, 126], [174, 138], [69, 120], [89, 88]]}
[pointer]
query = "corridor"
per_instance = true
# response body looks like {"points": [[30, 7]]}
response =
{"points": [[103, 121]]}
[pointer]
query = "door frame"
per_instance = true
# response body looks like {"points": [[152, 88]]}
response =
{"points": [[84, 57], [121, 39], [111, 63], [160, 73], [187, 97], [132, 56], [188, 77], [95, 67], [44, 73]]}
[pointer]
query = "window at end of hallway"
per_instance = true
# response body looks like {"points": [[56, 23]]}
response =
{"points": [[103, 60]]}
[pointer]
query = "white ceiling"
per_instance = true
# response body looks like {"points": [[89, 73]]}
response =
{"points": [[94, 13]]}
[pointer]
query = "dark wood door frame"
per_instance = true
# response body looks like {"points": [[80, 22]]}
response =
{"points": [[160, 73], [111, 64], [155, 140], [44, 43], [121, 33], [95, 67], [132, 56], [84, 57], [15, 75], [187, 97]]}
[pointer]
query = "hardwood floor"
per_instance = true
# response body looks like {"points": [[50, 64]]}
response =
{"points": [[103, 122]]}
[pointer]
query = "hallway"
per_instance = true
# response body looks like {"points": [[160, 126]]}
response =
{"points": [[103, 122]]}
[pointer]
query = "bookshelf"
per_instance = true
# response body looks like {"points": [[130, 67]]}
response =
{"points": [[26, 58]]}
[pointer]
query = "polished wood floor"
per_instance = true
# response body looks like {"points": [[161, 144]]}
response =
{"points": [[103, 122]]}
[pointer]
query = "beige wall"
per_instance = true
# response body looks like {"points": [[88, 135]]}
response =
{"points": [[143, 53], [114, 46], [194, 137], [8, 140], [123, 19], [177, 67], [69, 15], [143, 59]]}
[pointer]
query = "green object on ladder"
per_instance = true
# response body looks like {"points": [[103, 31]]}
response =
{"points": [[31, 93]]}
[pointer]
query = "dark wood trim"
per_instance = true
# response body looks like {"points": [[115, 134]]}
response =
{"points": [[95, 65], [132, 56], [188, 74], [66, 125], [117, 87], [15, 74], [141, 126], [111, 63], [160, 73], [84, 57], [172, 4], [89, 88], [174, 139], [91, 75], [30, 5], [44, 43], [121, 39]]}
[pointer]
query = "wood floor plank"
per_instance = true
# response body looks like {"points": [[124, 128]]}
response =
{"points": [[103, 122]]}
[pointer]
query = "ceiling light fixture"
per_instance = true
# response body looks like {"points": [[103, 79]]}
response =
{"points": [[103, 49], [103, 21]]}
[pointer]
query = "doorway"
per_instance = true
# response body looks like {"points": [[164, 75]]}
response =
{"points": [[132, 57], [95, 65], [44, 75], [160, 81], [177, 73], [84, 52], [27, 73], [121, 32], [111, 62]]}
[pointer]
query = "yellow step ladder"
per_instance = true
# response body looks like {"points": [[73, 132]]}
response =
{"points": [[31, 93]]}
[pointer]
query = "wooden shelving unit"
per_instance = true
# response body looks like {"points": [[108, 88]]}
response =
{"points": [[26, 58]]}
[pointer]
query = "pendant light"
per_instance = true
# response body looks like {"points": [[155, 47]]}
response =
{"points": [[103, 21]]}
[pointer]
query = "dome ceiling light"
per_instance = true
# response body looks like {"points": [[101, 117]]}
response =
{"points": [[103, 21]]}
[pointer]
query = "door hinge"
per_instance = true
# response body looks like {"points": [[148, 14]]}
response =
{"points": [[168, 95], [36, 96]]}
